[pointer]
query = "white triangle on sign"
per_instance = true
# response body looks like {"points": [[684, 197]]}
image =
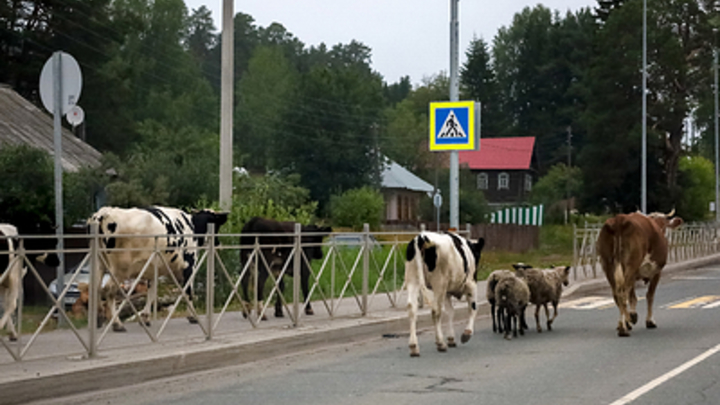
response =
{"points": [[451, 128]]}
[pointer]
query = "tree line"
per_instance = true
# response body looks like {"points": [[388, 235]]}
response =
{"points": [[322, 115]]}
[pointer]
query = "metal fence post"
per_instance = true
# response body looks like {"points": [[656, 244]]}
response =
{"points": [[575, 252], [296, 275], [210, 281], [93, 289], [366, 268]]}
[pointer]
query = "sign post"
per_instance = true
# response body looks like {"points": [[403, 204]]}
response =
{"points": [[60, 87], [454, 126]]}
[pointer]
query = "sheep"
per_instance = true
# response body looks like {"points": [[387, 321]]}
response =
{"points": [[513, 296], [492, 282], [545, 286]]}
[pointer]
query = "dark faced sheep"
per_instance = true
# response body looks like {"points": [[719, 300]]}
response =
{"points": [[512, 295], [545, 287]]}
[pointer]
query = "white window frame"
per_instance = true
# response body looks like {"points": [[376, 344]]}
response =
{"points": [[483, 181], [503, 181]]}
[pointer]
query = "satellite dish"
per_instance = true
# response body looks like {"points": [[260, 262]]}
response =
{"points": [[71, 81], [75, 116]]}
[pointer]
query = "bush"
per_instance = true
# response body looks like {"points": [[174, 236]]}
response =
{"points": [[356, 207], [26, 184]]}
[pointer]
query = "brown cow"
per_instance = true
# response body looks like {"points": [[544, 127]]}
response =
{"points": [[633, 247]]}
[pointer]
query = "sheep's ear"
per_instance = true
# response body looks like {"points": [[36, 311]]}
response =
{"points": [[567, 270]]}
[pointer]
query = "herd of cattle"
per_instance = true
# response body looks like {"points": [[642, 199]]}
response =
{"points": [[438, 266]]}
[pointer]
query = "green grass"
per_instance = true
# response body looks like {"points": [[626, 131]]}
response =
{"points": [[556, 249]]}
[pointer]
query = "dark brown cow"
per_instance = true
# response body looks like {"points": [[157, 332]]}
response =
{"points": [[633, 247]]}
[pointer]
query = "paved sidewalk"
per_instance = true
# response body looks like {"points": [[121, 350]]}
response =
{"points": [[56, 367]]}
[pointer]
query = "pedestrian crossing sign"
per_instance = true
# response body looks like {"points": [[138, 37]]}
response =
{"points": [[453, 126]]}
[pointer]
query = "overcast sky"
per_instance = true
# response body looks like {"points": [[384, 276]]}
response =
{"points": [[407, 37]]}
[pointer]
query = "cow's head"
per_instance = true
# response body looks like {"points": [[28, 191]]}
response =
{"points": [[476, 249], [663, 221], [318, 233], [201, 219]]}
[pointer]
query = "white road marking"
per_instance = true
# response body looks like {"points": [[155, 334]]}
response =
{"points": [[665, 377], [587, 303]]}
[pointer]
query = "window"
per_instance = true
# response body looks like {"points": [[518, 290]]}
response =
{"points": [[503, 181], [482, 181], [528, 182]]}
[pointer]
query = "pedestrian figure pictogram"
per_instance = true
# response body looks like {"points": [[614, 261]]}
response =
{"points": [[452, 128]]}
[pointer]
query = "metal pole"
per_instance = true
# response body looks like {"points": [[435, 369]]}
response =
{"points": [[644, 112], [57, 135], [296, 274], [454, 89], [717, 190], [93, 289], [567, 180], [366, 268], [226, 107], [210, 281]]}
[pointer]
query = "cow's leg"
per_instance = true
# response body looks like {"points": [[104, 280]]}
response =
{"points": [[278, 300], [187, 274], [632, 298], [117, 325], [9, 306], [537, 318], [245, 300], [449, 314], [471, 297], [151, 296], [304, 279], [437, 310], [620, 295], [412, 306], [649, 322], [262, 280]]}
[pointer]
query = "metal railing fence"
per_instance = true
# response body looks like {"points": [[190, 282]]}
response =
{"points": [[352, 278], [688, 242]]}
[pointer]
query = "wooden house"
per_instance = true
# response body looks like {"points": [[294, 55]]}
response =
{"points": [[504, 168], [402, 191]]}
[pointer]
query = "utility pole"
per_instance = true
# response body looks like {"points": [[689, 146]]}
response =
{"points": [[226, 106], [454, 96], [644, 112], [717, 190]]}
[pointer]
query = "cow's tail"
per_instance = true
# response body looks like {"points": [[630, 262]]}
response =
{"points": [[616, 230], [416, 265]]}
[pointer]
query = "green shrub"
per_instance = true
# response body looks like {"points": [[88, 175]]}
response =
{"points": [[356, 207]]}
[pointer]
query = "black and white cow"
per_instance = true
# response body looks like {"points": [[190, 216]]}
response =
{"points": [[279, 234], [446, 264], [126, 256], [12, 268]]}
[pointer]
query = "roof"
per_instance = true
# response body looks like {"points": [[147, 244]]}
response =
{"points": [[21, 122], [396, 176], [500, 154]]}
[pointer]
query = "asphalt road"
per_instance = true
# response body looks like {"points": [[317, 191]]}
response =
{"points": [[582, 361]]}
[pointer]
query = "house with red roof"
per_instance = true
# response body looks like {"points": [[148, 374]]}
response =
{"points": [[504, 168]]}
